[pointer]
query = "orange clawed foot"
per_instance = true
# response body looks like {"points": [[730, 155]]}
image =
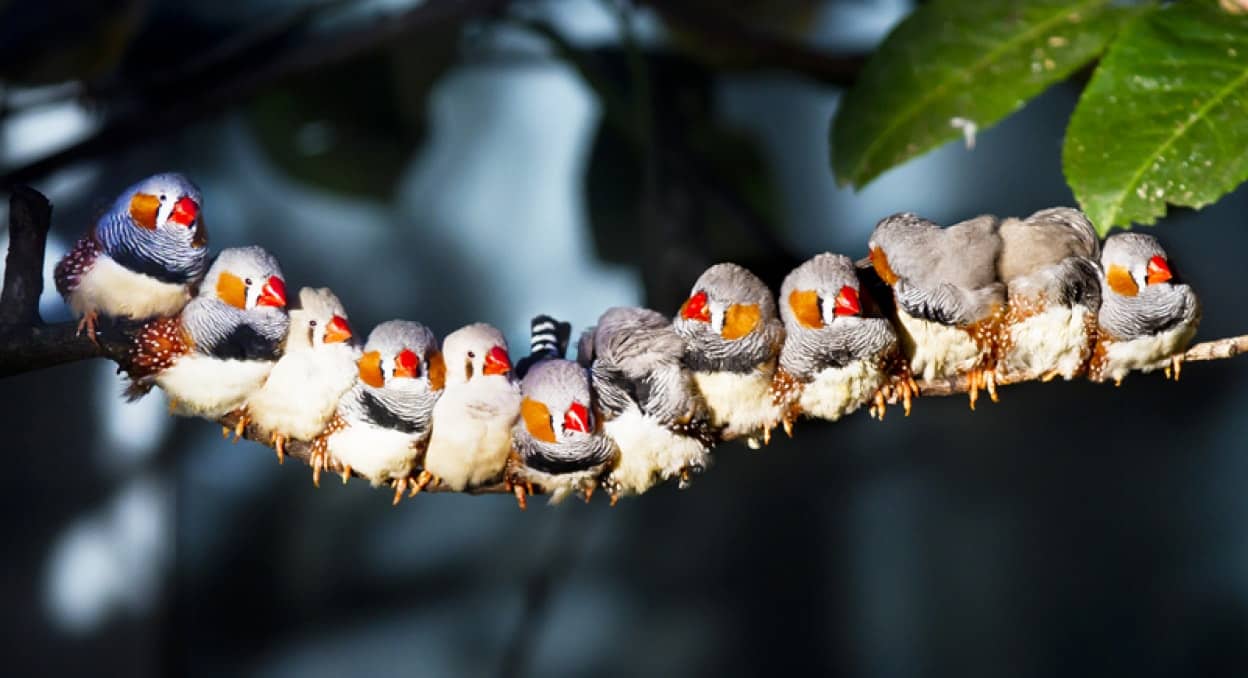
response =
{"points": [[278, 441], [318, 459], [88, 323], [1175, 369], [401, 486], [423, 479], [903, 389], [981, 378], [522, 489], [240, 427]]}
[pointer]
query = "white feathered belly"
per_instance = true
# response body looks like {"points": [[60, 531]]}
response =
{"points": [[116, 291], [471, 437], [302, 393], [563, 485], [741, 403], [379, 454], [1056, 339], [1146, 354], [207, 387], [649, 452], [938, 350], [837, 391]]}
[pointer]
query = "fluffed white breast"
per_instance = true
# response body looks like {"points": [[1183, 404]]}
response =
{"points": [[838, 391], [116, 291], [379, 454], [471, 436], [303, 390], [563, 485], [1146, 353], [938, 350], [650, 453], [202, 386], [1055, 339], [741, 403]]}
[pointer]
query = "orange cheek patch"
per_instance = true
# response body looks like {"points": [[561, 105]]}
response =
{"points": [[1121, 281], [232, 290], [879, 261], [437, 371], [537, 420], [143, 209], [370, 369], [805, 307], [740, 320]]}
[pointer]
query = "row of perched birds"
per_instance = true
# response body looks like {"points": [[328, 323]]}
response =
{"points": [[648, 396]]}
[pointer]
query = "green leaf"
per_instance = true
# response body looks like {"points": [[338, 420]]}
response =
{"points": [[1165, 118], [969, 59]]}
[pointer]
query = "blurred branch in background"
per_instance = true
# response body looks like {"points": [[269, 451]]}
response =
{"points": [[236, 71]]}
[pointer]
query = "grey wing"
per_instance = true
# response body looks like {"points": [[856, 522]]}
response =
{"points": [[1069, 282], [615, 392], [585, 348], [968, 252], [943, 304]]}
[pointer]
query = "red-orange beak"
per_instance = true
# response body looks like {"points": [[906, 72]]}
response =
{"points": [[497, 361], [406, 364], [273, 294], [695, 308], [337, 331], [184, 212], [847, 302], [1158, 271], [576, 418]]}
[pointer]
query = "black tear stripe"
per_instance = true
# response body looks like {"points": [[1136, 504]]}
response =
{"points": [[377, 412], [244, 342]]}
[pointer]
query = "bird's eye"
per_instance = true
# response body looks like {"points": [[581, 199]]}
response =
{"points": [[471, 354], [162, 197], [247, 282], [311, 323]]}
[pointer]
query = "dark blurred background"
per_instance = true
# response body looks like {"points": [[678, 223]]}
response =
{"points": [[458, 161]]}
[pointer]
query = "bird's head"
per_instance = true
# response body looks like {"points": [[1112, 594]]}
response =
{"points": [[165, 203], [246, 278], [818, 293], [402, 355], [475, 352], [728, 301], [556, 405], [896, 239], [320, 320], [1133, 262]]}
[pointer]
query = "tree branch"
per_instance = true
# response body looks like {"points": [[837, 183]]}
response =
{"points": [[30, 217], [238, 80], [27, 345]]}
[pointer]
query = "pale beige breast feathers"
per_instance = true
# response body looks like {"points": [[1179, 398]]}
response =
{"points": [[472, 432], [208, 387], [649, 453], [837, 391], [741, 403], [303, 390], [114, 290], [379, 454], [938, 350]]}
